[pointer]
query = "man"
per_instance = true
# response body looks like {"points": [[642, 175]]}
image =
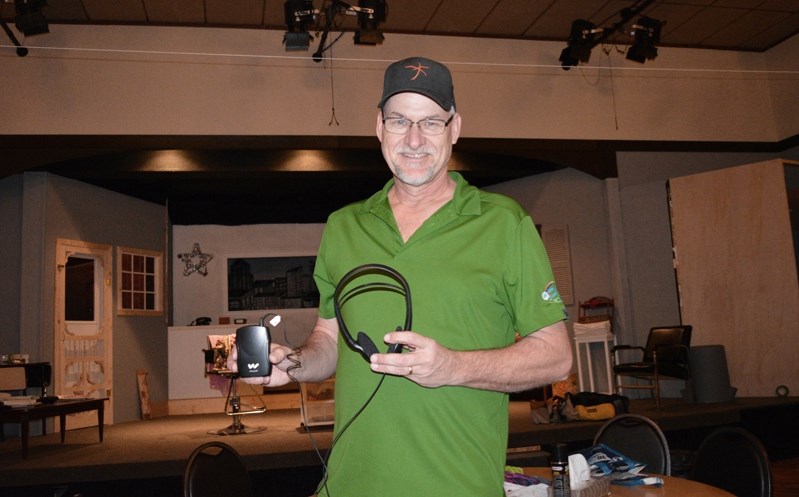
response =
{"points": [[431, 420]]}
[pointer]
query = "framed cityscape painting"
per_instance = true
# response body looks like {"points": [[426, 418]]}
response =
{"points": [[263, 283]]}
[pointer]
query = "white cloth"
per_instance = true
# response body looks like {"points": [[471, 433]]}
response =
{"points": [[579, 472]]}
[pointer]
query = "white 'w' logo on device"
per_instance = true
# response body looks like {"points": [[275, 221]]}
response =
{"points": [[253, 365]]}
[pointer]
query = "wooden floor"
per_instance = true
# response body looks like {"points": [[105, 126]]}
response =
{"points": [[786, 477], [148, 457]]}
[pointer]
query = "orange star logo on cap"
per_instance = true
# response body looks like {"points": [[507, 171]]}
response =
{"points": [[419, 70]]}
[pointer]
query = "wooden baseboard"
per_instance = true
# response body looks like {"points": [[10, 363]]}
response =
{"points": [[159, 409]]}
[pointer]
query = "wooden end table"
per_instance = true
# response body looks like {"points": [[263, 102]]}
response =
{"points": [[60, 408]]}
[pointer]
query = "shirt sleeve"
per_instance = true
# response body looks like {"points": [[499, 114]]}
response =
{"points": [[533, 294], [324, 281]]}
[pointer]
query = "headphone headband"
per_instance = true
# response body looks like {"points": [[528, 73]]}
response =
{"points": [[363, 343]]}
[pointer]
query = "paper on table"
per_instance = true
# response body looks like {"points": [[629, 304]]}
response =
{"points": [[514, 490], [19, 401], [605, 461]]}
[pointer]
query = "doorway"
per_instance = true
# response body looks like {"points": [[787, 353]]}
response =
{"points": [[83, 360]]}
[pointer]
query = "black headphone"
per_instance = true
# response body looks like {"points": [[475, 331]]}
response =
{"points": [[364, 344]]}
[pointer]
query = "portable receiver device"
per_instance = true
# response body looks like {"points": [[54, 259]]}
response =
{"points": [[252, 344]]}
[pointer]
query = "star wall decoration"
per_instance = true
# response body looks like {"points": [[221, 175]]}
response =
{"points": [[201, 264]]}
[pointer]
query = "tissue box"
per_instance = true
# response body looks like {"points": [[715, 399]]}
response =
{"points": [[596, 487]]}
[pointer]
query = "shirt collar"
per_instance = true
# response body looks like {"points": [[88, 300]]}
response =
{"points": [[465, 200]]}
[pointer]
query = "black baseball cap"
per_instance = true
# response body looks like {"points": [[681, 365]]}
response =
{"points": [[419, 75]]}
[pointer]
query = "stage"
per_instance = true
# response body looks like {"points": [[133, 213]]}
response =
{"points": [[149, 456]]}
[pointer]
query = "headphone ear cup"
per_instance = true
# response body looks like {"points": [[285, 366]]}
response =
{"points": [[366, 344]]}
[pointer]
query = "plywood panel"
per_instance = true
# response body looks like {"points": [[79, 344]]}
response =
{"points": [[736, 271]]}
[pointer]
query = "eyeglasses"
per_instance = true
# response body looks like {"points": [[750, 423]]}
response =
{"points": [[430, 127]]}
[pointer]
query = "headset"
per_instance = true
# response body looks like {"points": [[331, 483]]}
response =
{"points": [[363, 343]]}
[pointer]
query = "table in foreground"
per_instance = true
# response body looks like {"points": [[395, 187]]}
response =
{"points": [[60, 408], [672, 487]]}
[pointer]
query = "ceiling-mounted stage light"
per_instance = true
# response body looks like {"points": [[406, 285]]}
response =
{"points": [[647, 33], [29, 19], [584, 36], [370, 14], [299, 14], [581, 41]]}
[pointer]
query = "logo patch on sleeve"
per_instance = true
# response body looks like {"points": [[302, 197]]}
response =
{"points": [[551, 294]]}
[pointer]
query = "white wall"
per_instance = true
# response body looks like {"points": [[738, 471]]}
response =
{"points": [[197, 295], [575, 199], [783, 61], [184, 81]]}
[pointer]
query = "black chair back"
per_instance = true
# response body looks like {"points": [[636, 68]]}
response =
{"points": [[732, 459], [638, 438], [667, 341], [215, 469]]}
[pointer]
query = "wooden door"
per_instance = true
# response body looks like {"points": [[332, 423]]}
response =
{"points": [[83, 365]]}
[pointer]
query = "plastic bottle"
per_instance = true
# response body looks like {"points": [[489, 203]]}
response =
{"points": [[559, 463]]}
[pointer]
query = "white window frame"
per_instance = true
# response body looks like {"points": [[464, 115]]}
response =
{"points": [[123, 282]]}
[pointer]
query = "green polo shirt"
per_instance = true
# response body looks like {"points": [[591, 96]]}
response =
{"points": [[477, 273]]}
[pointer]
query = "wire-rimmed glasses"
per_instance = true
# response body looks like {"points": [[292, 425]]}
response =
{"points": [[429, 127]]}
